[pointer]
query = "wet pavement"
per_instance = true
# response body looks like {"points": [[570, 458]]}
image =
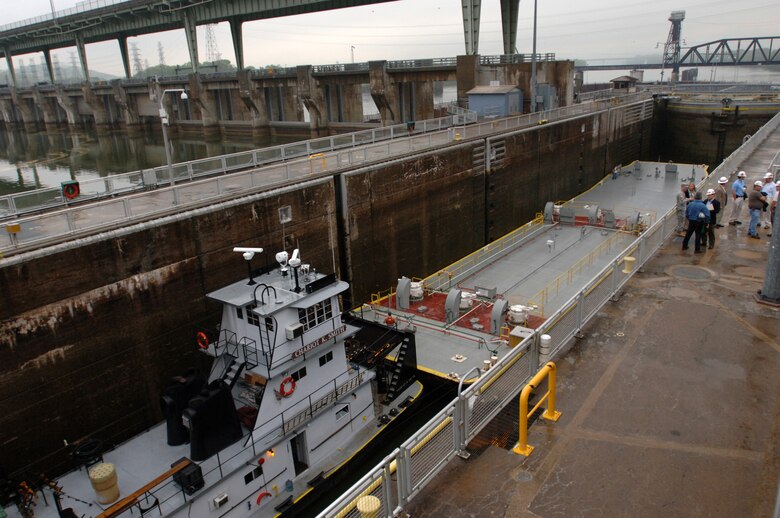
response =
{"points": [[670, 405]]}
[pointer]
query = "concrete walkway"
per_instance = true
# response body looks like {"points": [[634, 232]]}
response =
{"points": [[671, 403]]}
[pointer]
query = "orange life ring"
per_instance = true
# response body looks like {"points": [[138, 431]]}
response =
{"points": [[71, 190], [261, 496], [202, 339], [284, 391]]}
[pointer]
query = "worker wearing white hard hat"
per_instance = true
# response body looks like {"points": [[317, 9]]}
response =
{"points": [[723, 198], [738, 196], [770, 189], [713, 205]]}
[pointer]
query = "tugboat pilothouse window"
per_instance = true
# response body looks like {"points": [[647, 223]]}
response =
{"points": [[315, 315]]}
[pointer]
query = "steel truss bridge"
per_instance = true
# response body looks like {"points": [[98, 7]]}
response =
{"points": [[726, 52]]}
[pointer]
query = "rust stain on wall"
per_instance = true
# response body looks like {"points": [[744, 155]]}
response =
{"points": [[51, 316]]}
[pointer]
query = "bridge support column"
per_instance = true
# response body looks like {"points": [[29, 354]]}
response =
{"points": [[49, 117], [509, 14], [201, 99], [122, 40], [311, 97], [129, 106], [471, 9], [97, 104], [238, 41], [10, 63], [253, 98], [383, 92], [192, 37], [69, 105], [49, 64], [466, 75], [82, 50]]}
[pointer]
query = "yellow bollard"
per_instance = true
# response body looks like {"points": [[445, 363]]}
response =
{"points": [[550, 414], [628, 264], [368, 506], [457, 136]]}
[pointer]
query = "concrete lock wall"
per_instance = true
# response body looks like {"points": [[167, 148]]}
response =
{"points": [[705, 133], [89, 335]]}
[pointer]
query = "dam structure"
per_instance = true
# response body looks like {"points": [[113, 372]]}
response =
{"points": [[109, 292]]}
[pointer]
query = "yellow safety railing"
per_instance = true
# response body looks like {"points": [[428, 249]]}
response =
{"points": [[474, 258], [542, 297], [550, 414]]}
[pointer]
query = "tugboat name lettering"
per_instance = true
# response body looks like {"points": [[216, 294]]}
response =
{"points": [[319, 341]]}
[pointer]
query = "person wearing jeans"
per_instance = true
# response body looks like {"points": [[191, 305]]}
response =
{"points": [[756, 201], [698, 218], [738, 195]]}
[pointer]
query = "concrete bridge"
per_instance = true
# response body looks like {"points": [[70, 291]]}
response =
{"points": [[263, 102], [103, 20]]}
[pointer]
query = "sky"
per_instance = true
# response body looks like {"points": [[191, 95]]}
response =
{"points": [[406, 29]]}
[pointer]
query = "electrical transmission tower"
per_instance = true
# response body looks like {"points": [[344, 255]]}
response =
{"points": [[74, 74], [137, 64], [56, 66], [672, 47], [160, 54], [212, 51]]}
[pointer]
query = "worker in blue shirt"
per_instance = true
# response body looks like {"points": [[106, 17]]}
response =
{"points": [[698, 218], [739, 194]]}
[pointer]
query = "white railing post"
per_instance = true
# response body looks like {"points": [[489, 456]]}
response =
{"points": [[386, 490], [578, 310], [126, 206], [613, 284]]}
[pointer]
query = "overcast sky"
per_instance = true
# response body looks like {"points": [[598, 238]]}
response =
{"points": [[405, 29]]}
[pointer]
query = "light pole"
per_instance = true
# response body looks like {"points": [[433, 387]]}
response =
{"points": [[164, 121], [533, 67]]}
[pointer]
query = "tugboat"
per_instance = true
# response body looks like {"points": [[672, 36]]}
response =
{"points": [[282, 410]]}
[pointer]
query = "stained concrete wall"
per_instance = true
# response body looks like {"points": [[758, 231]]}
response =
{"points": [[89, 334], [705, 133]]}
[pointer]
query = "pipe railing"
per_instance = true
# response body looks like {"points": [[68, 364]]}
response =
{"points": [[40, 199], [549, 414], [115, 212], [465, 416]]}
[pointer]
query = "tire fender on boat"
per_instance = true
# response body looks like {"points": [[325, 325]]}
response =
{"points": [[202, 340], [287, 387]]}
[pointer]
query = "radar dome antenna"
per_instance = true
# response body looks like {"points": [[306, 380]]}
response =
{"points": [[248, 254], [281, 258]]}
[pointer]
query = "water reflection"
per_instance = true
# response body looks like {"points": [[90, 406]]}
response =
{"points": [[32, 161]]}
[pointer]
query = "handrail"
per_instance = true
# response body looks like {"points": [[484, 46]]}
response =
{"points": [[131, 499], [550, 414], [497, 386], [14, 205]]}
